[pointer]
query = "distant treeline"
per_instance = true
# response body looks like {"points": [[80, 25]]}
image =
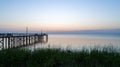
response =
{"points": [[107, 32]]}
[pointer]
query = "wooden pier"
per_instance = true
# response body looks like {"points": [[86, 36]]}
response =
{"points": [[14, 40]]}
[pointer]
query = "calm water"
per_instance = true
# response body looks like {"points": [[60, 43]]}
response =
{"points": [[77, 42]]}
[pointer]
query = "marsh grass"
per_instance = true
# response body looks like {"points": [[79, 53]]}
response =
{"points": [[107, 57]]}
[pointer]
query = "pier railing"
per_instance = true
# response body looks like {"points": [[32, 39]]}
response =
{"points": [[14, 40]]}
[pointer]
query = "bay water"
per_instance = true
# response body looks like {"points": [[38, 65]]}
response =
{"points": [[79, 41]]}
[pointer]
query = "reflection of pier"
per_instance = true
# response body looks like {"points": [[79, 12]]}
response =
{"points": [[13, 40]]}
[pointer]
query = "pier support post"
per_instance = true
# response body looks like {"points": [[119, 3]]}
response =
{"points": [[2, 43]]}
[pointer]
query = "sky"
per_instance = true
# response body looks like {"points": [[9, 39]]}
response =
{"points": [[59, 15]]}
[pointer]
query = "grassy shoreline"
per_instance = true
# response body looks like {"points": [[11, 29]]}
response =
{"points": [[59, 58]]}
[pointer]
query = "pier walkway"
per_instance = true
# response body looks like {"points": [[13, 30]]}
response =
{"points": [[14, 40]]}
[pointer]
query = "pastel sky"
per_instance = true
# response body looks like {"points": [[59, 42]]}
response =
{"points": [[59, 15]]}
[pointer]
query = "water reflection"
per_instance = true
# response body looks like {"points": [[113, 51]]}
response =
{"points": [[77, 42]]}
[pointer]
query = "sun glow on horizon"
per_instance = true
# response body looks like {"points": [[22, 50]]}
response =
{"points": [[59, 15]]}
